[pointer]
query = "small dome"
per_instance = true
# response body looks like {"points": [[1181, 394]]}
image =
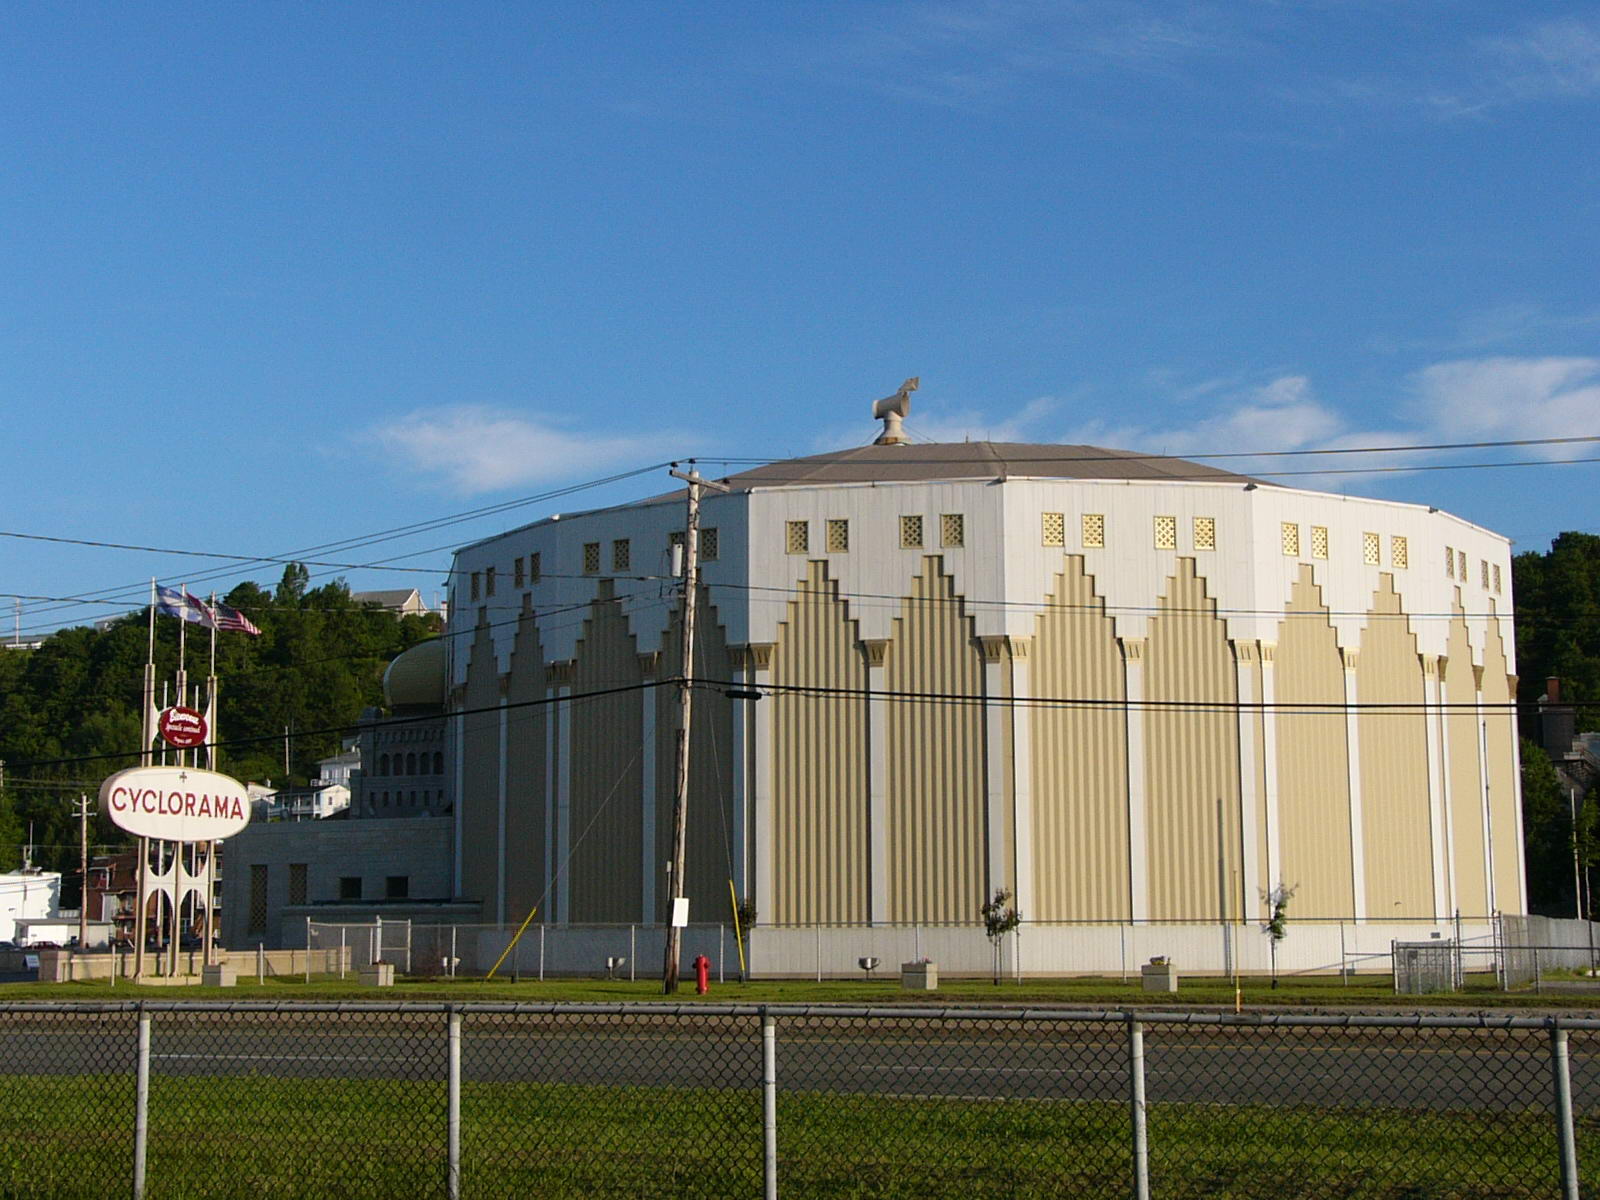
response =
{"points": [[417, 678]]}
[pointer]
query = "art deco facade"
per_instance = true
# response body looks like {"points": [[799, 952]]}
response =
{"points": [[1126, 688]]}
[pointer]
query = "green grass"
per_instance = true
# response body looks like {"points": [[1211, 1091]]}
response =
{"points": [[277, 1139], [1296, 992]]}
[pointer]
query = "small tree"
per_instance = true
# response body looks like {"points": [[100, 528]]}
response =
{"points": [[1000, 917], [1277, 926]]}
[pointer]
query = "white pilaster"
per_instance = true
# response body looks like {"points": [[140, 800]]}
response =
{"points": [[1447, 793], [761, 783], [1138, 840], [1022, 771], [1249, 751], [649, 867], [1269, 737], [1437, 770], [1484, 807], [1352, 734], [876, 650], [996, 758]]}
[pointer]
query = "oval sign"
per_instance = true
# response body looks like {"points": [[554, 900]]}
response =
{"points": [[176, 804], [182, 727]]}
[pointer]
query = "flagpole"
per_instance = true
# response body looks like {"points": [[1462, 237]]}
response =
{"points": [[210, 873], [142, 871]]}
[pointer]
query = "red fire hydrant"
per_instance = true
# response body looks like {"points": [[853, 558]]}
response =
{"points": [[702, 974]]}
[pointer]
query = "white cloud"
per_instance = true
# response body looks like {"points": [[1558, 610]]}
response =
{"points": [[475, 449], [1493, 398]]}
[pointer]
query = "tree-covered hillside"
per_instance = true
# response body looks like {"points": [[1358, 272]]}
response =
{"points": [[69, 711]]}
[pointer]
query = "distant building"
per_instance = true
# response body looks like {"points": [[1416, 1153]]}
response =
{"points": [[403, 602], [402, 755], [27, 894]]}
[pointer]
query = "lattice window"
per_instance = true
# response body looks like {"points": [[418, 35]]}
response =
{"points": [[797, 537], [1449, 562], [911, 533], [488, 582], [1053, 529], [1399, 552], [1319, 541], [1496, 579], [258, 899], [1093, 529], [1289, 538], [518, 577], [297, 883], [1461, 565], [621, 555], [1485, 565], [1166, 533], [1205, 533], [708, 545], [533, 568], [952, 530], [591, 558], [1371, 550], [837, 534], [477, 584]]}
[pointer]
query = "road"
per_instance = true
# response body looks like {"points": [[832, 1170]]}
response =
{"points": [[1398, 1068]]}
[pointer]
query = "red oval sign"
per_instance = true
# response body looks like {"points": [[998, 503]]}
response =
{"points": [[183, 727]]}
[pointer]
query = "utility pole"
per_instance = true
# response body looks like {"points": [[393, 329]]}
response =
{"points": [[678, 912], [83, 864]]}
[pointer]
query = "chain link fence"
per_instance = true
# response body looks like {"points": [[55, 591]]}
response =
{"points": [[489, 1100]]}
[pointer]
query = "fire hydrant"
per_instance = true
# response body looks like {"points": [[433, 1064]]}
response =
{"points": [[702, 974]]}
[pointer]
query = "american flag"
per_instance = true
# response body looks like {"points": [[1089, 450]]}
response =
{"points": [[232, 618]]}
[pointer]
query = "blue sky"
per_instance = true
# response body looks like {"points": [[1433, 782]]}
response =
{"points": [[273, 276]]}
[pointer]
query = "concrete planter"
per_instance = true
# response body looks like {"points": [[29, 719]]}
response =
{"points": [[377, 975], [920, 976], [1159, 977], [221, 975]]}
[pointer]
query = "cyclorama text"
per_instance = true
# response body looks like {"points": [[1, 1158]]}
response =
{"points": [[176, 804]]}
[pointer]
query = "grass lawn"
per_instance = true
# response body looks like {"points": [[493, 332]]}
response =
{"points": [[274, 1139], [1364, 992]]}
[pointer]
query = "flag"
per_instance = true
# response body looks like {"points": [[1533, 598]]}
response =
{"points": [[232, 618], [177, 603]]}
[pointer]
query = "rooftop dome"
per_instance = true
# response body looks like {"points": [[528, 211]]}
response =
{"points": [[905, 463], [416, 679]]}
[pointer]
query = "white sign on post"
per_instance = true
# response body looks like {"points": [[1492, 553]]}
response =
{"points": [[176, 804], [680, 912]]}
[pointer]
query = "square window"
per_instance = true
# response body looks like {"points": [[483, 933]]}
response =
{"points": [[1319, 541], [518, 578], [708, 545], [1166, 533], [1053, 529], [1094, 531], [1371, 550], [1289, 538], [1496, 579], [1449, 562], [533, 568], [396, 887], [1461, 565], [488, 582], [621, 555], [477, 584], [1399, 552], [911, 533], [591, 558], [838, 533], [349, 887], [1205, 533], [797, 537], [952, 530]]}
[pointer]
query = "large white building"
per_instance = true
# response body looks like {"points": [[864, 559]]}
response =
{"points": [[1128, 688]]}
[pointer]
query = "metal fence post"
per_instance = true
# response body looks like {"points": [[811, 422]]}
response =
{"points": [[769, 1106], [542, 928], [633, 953], [261, 962], [1561, 1076], [453, 1109], [1136, 1110], [141, 1104], [818, 928]]}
